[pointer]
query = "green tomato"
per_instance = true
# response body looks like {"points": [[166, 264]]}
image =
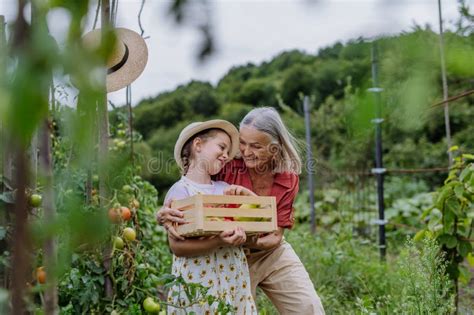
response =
{"points": [[119, 243], [151, 306], [127, 189], [95, 178], [137, 178], [121, 144], [129, 234], [35, 200]]}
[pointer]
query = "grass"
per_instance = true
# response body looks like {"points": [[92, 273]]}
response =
{"points": [[350, 278]]}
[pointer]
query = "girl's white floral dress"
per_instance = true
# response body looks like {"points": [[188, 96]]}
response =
{"points": [[224, 271]]}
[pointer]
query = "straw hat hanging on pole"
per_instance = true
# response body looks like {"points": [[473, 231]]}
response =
{"points": [[127, 60]]}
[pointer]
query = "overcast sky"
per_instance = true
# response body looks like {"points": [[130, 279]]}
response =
{"points": [[251, 31]]}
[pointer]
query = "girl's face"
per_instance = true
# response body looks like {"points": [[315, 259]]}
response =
{"points": [[213, 153], [257, 148]]}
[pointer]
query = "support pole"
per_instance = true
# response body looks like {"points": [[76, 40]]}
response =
{"points": [[130, 125], [378, 171], [103, 152], [310, 164], [21, 238], [445, 85], [49, 212]]}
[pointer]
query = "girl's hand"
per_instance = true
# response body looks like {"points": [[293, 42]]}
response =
{"points": [[168, 218], [238, 190], [234, 237]]}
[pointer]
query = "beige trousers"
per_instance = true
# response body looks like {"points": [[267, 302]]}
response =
{"points": [[281, 275]]}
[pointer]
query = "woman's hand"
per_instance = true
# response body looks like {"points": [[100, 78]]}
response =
{"points": [[169, 218], [238, 190], [234, 237], [265, 241]]}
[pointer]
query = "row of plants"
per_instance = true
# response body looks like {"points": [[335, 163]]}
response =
{"points": [[440, 222]]}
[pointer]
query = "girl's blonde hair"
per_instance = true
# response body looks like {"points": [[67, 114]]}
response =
{"points": [[268, 120]]}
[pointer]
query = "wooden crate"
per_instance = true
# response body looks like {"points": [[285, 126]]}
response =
{"points": [[202, 211]]}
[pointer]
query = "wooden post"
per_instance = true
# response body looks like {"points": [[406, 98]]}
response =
{"points": [[21, 239], [310, 170], [49, 215], [103, 151], [6, 160]]}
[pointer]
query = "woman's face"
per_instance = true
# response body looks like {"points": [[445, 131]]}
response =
{"points": [[256, 148]]}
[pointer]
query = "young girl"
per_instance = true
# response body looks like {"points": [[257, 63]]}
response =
{"points": [[216, 262]]}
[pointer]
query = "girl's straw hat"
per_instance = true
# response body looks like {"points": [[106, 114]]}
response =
{"points": [[190, 130], [128, 59]]}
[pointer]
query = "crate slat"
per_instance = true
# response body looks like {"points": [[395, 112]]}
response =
{"points": [[275, 218], [217, 226], [219, 199], [186, 228], [180, 204], [238, 212]]}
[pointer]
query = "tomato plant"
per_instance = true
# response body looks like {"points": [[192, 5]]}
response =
{"points": [[450, 220]]}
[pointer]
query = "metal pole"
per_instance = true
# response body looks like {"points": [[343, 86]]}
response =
{"points": [[310, 163], [130, 125], [445, 85], [378, 170]]}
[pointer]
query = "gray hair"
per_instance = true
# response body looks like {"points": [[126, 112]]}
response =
{"points": [[268, 120]]}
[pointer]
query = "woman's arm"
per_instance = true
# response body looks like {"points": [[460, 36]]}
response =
{"points": [[198, 247], [166, 216], [267, 241]]}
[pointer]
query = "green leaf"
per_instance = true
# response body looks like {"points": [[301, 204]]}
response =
{"points": [[468, 156], [453, 205], [3, 232], [470, 259], [451, 242], [435, 218], [449, 217], [464, 173], [459, 191], [447, 239], [445, 192], [464, 248], [419, 235], [453, 148]]}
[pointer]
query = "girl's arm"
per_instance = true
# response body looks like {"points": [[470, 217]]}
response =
{"points": [[199, 247]]}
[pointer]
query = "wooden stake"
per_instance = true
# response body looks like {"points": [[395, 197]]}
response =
{"points": [[103, 152], [49, 215]]}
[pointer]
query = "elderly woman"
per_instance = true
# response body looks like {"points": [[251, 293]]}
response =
{"points": [[269, 166]]}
